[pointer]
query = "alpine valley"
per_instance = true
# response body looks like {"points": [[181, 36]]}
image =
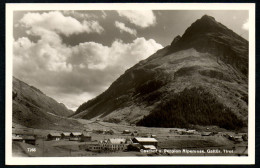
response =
{"points": [[200, 79]]}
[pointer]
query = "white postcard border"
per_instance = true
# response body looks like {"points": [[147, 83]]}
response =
{"points": [[250, 159]]}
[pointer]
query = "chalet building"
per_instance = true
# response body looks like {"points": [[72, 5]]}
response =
{"points": [[95, 147], [238, 138], [126, 132], [65, 135], [115, 144], [134, 147], [53, 136], [30, 139], [145, 141], [110, 132], [17, 138], [103, 143], [153, 136], [85, 137], [75, 136]]}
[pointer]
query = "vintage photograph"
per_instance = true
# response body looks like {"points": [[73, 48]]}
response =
{"points": [[130, 83]]}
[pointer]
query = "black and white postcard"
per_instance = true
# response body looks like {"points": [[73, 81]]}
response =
{"points": [[130, 83]]}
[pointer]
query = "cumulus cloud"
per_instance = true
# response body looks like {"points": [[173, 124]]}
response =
{"points": [[84, 70], [124, 28], [142, 19], [48, 55], [246, 25], [73, 74], [57, 22], [120, 55]]}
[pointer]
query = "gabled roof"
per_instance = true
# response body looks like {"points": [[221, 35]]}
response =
{"points": [[143, 139], [55, 134], [84, 134], [103, 141], [17, 138], [149, 146], [28, 137], [238, 136], [117, 140], [66, 133], [76, 133]]}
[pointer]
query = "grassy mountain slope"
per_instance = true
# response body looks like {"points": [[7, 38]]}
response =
{"points": [[34, 109], [208, 58]]}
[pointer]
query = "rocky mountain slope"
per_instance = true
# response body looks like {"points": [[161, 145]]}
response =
{"points": [[32, 108], [200, 79]]}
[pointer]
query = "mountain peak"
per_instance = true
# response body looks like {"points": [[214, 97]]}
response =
{"points": [[207, 17], [206, 24], [208, 35], [207, 54]]}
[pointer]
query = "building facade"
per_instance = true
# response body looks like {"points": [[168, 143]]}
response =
{"points": [[75, 136], [53, 136], [85, 137], [65, 135]]}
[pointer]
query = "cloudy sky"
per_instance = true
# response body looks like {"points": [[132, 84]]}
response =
{"points": [[72, 56]]}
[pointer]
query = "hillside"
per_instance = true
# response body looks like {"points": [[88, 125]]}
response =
{"points": [[200, 79], [32, 108]]}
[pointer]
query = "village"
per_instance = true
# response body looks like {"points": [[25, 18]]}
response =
{"points": [[111, 140]]}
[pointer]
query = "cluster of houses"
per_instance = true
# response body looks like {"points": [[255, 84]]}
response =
{"points": [[119, 144], [181, 131], [72, 136], [25, 138], [237, 137], [104, 131]]}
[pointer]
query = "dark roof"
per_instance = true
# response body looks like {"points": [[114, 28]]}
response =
{"points": [[66, 133], [28, 137], [55, 134], [84, 134], [76, 133]]}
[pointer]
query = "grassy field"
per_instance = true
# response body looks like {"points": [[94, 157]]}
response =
{"points": [[166, 140]]}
